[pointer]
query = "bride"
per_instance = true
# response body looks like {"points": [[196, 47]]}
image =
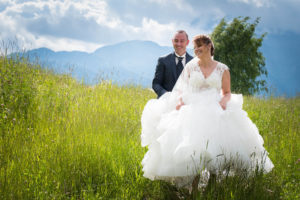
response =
{"points": [[200, 125]]}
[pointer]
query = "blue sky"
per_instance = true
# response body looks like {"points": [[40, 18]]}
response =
{"points": [[86, 25]]}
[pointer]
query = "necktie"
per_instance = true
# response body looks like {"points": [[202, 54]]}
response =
{"points": [[179, 66]]}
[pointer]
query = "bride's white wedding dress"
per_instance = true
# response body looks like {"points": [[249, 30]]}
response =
{"points": [[201, 135]]}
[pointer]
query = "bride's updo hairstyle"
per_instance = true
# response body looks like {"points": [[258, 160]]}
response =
{"points": [[204, 39]]}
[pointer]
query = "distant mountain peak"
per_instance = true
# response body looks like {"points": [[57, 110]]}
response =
{"points": [[129, 43], [43, 49], [135, 60]]}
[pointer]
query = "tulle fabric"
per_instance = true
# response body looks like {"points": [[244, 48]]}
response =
{"points": [[200, 136]]}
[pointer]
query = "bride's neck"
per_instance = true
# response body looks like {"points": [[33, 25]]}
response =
{"points": [[205, 61]]}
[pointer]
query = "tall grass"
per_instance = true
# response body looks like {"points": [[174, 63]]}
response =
{"points": [[61, 139]]}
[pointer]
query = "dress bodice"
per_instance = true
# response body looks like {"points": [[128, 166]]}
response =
{"points": [[194, 80]]}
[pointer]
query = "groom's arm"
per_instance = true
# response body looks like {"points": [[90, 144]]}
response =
{"points": [[158, 78]]}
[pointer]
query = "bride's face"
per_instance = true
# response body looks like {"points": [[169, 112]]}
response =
{"points": [[202, 50]]}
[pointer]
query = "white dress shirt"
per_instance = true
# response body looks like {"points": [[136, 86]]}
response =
{"points": [[183, 60]]}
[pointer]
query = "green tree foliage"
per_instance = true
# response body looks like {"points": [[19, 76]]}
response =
{"points": [[237, 45]]}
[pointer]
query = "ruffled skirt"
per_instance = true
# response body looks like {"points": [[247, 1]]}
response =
{"points": [[200, 136]]}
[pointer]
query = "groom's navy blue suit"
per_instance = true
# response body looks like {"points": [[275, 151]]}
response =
{"points": [[165, 74]]}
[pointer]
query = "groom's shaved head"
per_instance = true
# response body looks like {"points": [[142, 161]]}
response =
{"points": [[182, 31], [180, 42]]}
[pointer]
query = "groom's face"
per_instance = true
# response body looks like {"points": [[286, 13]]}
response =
{"points": [[180, 42]]}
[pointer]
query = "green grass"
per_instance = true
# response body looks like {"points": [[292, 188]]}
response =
{"points": [[61, 139]]}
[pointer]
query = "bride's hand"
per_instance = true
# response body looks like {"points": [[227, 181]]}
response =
{"points": [[223, 103], [178, 106]]}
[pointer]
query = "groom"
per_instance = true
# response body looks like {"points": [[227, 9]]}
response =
{"points": [[169, 67]]}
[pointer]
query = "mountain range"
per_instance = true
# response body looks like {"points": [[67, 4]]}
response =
{"points": [[133, 62]]}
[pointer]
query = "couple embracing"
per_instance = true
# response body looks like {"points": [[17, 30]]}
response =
{"points": [[196, 124]]}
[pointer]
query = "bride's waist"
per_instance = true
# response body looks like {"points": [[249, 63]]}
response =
{"points": [[202, 95]]}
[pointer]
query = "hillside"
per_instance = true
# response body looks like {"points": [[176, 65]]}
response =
{"points": [[127, 62], [61, 139], [135, 61]]}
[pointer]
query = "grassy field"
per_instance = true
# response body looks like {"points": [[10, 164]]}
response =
{"points": [[61, 139]]}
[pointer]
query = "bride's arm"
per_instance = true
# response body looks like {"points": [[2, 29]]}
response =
{"points": [[225, 89]]}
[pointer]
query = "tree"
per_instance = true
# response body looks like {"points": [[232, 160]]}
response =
{"points": [[237, 46]]}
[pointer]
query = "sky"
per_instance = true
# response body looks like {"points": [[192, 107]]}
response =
{"points": [[85, 25]]}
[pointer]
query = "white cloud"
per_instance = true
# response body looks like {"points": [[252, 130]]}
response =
{"points": [[160, 33], [47, 23], [98, 11], [152, 30], [163, 2], [27, 40], [181, 5], [257, 3], [87, 24]]}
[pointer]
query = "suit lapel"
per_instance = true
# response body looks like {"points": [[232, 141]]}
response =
{"points": [[188, 58]]}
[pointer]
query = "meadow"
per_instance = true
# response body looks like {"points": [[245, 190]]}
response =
{"points": [[62, 139]]}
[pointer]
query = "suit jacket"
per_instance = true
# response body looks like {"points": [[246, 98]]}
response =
{"points": [[165, 74]]}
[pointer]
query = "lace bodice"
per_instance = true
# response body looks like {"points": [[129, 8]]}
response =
{"points": [[193, 80]]}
